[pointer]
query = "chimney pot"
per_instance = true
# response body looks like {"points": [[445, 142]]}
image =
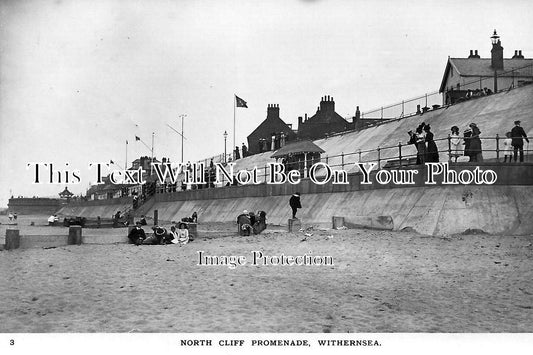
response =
{"points": [[476, 53], [520, 52], [471, 53]]}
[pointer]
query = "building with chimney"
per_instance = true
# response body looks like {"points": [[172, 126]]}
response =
{"points": [[476, 73], [271, 134], [325, 121]]}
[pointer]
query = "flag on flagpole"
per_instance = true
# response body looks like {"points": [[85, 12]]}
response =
{"points": [[240, 102], [126, 141], [137, 138]]}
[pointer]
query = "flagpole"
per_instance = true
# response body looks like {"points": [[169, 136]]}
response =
{"points": [[152, 161], [234, 104], [126, 164]]}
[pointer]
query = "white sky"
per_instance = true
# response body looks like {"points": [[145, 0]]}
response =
{"points": [[77, 76]]}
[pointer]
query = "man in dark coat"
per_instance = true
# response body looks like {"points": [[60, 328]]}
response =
{"points": [[294, 202], [137, 235], [518, 143]]}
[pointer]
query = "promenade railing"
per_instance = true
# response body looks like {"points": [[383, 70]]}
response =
{"points": [[399, 155], [507, 79]]}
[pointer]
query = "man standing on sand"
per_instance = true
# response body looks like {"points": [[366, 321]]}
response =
{"points": [[294, 202], [518, 143]]}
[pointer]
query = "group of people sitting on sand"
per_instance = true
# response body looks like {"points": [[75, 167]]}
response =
{"points": [[178, 233], [249, 222]]}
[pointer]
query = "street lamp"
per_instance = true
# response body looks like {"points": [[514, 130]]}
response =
{"points": [[225, 138]]}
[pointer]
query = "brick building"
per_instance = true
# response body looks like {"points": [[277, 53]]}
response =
{"points": [[273, 128], [324, 121]]}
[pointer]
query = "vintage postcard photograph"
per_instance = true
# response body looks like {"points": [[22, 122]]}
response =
{"points": [[286, 176]]}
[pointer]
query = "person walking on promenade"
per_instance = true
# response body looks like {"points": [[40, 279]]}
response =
{"points": [[295, 203], [518, 143], [475, 144]]}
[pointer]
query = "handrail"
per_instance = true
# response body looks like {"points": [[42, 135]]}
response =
{"points": [[429, 96], [400, 155]]}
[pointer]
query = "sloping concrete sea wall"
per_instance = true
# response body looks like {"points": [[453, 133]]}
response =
{"points": [[503, 208], [506, 207]]}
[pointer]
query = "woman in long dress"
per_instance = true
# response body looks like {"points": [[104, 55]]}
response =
{"points": [[421, 145], [432, 154], [467, 137]]}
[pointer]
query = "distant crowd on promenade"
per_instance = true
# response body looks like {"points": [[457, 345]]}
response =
{"points": [[277, 140]]}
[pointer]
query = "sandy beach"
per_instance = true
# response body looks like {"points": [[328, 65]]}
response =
{"points": [[380, 282]]}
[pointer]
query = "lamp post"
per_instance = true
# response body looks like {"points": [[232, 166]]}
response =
{"points": [[225, 138], [182, 117], [495, 39]]}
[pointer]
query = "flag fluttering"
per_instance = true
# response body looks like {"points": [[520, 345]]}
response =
{"points": [[137, 138], [240, 102]]}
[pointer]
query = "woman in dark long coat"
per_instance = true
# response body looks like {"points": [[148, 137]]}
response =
{"points": [[421, 145], [467, 138], [432, 153], [475, 144]]}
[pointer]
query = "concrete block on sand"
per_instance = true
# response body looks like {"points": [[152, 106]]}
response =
{"points": [[12, 239], [294, 225], [372, 222]]}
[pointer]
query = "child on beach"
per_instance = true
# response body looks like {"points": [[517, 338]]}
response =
{"points": [[507, 147], [181, 236]]}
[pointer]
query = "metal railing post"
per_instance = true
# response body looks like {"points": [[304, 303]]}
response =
{"points": [[342, 160], [400, 152], [379, 158], [498, 147], [449, 148]]}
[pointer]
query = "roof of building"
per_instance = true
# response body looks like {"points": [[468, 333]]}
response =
{"points": [[481, 67], [272, 123], [66, 193], [298, 147]]}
